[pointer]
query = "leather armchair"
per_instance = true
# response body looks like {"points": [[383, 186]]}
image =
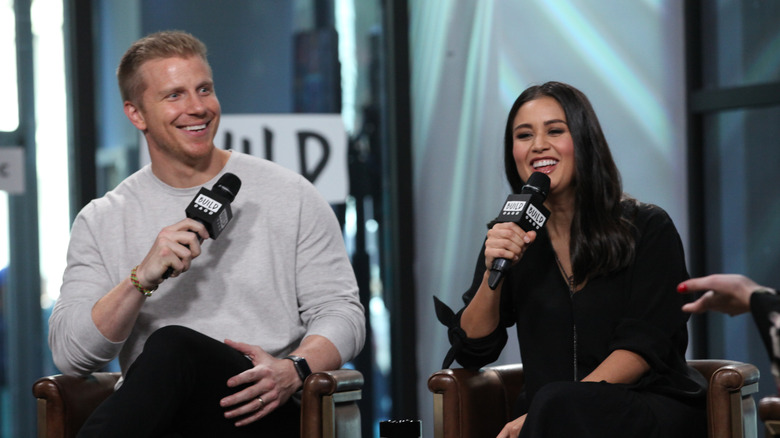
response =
{"points": [[328, 403], [731, 409], [769, 413], [478, 403]]}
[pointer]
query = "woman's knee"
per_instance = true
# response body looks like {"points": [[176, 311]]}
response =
{"points": [[559, 394]]}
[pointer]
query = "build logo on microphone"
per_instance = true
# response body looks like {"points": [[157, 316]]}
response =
{"points": [[204, 203], [536, 216], [513, 208]]}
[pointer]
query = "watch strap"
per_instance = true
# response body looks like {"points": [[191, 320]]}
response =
{"points": [[301, 366]]}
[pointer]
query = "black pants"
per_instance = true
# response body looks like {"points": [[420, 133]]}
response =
{"points": [[603, 410], [173, 389]]}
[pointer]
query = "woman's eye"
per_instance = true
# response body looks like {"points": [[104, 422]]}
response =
{"points": [[523, 135]]}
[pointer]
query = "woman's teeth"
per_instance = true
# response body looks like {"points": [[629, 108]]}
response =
{"points": [[544, 163]]}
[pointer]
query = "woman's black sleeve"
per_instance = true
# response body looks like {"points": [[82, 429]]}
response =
{"points": [[471, 352]]}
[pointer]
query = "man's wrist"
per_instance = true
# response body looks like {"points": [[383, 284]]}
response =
{"points": [[301, 367], [137, 284]]}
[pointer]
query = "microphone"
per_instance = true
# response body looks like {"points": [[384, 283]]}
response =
{"points": [[527, 211], [212, 207]]}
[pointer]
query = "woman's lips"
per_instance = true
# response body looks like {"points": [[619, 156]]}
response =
{"points": [[545, 165]]}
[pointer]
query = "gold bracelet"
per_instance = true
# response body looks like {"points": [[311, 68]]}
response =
{"points": [[137, 284]]}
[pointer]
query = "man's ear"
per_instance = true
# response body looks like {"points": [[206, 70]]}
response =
{"points": [[134, 114]]}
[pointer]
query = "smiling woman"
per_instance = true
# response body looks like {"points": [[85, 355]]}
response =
{"points": [[600, 334], [543, 143]]}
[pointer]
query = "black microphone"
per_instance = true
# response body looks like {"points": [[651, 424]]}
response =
{"points": [[212, 207], [527, 211]]}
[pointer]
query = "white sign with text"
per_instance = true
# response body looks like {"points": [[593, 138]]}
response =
{"points": [[314, 145], [12, 169]]}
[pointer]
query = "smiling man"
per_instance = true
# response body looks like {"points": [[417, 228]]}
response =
{"points": [[214, 337]]}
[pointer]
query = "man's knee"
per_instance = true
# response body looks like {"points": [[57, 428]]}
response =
{"points": [[171, 336], [172, 341]]}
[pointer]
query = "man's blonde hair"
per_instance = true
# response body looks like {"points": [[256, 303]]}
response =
{"points": [[159, 45]]}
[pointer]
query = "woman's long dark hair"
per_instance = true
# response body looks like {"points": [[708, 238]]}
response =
{"points": [[601, 236]]}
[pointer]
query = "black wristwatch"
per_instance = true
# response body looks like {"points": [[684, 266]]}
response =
{"points": [[301, 366]]}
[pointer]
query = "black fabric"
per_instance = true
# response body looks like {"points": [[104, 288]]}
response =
{"points": [[174, 388], [765, 307], [635, 309], [603, 410], [484, 348]]}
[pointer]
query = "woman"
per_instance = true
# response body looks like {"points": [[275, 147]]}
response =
{"points": [[592, 294]]}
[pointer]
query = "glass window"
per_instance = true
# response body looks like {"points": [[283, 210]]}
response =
{"points": [[741, 42], [22, 317], [51, 139], [742, 156], [4, 390], [742, 204], [9, 104], [9, 121]]}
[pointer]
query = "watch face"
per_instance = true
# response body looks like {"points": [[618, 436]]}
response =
{"points": [[301, 366]]}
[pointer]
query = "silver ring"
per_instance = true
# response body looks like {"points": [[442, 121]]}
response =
{"points": [[262, 403]]}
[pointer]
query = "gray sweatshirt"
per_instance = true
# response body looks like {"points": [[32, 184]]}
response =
{"points": [[278, 272]]}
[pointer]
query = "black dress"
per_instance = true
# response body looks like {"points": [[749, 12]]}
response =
{"points": [[765, 308], [563, 337]]}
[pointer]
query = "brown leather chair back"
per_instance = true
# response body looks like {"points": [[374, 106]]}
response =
{"points": [[474, 403], [65, 402]]}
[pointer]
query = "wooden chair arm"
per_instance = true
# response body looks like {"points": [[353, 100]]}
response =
{"points": [[731, 409], [329, 404]]}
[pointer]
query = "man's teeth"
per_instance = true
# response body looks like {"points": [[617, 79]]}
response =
{"points": [[195, 127], [544, 163]]}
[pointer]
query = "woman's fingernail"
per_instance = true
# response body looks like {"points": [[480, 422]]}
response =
{"points": [[682, 287]]}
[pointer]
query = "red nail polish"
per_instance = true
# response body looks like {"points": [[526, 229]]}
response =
{"points": [[682, 287]]}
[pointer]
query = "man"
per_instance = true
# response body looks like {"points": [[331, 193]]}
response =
{"points": [[736, 294], [276, 286]]}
